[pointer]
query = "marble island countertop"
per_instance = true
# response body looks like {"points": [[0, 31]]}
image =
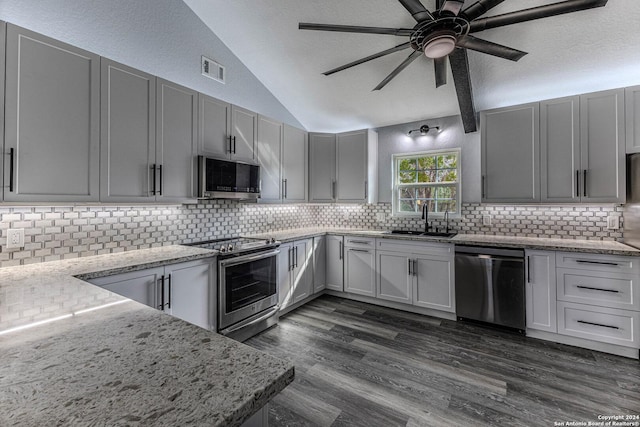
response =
{"points": [[95, 358], [569, 245]]}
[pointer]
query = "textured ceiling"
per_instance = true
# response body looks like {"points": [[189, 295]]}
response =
{"points": [[568, 54]]}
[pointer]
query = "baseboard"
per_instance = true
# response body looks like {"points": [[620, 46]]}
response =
{"points": [[632, 353]]}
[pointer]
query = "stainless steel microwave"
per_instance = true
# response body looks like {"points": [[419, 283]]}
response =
{"points": [[223, 179]]}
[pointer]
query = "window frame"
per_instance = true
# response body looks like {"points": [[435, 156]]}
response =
{"points": [[398, 157]]}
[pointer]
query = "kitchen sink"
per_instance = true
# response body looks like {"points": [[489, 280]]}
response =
{"points": [[422, 233]]}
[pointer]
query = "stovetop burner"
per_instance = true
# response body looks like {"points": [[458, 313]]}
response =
{"points": [[235, 245]]}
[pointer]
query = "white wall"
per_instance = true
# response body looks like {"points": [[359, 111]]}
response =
{"points": [[161, 37], [394, 139]]}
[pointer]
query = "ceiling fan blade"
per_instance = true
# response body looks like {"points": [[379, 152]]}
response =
{"points": [[440, 66], [534, 13], [484, 46], [460, 70], [417, 10], [355, 29], [479, 8], [452, 6], [369, 58], [414, 55]]}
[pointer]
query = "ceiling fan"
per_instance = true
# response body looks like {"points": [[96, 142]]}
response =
{"points": [[447, 32]]}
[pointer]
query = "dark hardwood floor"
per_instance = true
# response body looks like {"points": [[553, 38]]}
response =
{"points": [[362, 365]]}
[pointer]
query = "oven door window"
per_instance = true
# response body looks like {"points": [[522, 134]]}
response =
{"points": [[249, 282]]}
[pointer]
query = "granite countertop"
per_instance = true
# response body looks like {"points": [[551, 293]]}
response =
{"points": [[568, 245], [101, 359]]}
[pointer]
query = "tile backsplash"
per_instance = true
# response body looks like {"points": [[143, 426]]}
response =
{"points": [[54, 233]]}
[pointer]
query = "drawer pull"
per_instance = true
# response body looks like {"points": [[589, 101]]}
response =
{"points": [[582, 261], [361, 242], [598, 324], [597, 289], [360, 250]]}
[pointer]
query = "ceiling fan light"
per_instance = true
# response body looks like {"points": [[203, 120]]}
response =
{"points": [[440, 46]]}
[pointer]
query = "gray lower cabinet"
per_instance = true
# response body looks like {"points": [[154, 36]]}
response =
{"points": [[269, 153], [295, 270], [540, 291], [334, 246], [128, 127], [510, 147], [184, 290], [632, 112], [319, 263], [360, 266], [351, 166], [294, 165], [52, 120], [322, 167], [176, 142], [420, 274]]}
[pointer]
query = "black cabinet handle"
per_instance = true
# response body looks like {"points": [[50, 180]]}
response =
{"points": [[528, 269], [577, 183], [597, 324], [284, 188], [169, 300], [234, 145], [11, 165], [415, 267], [160, 173], [230, 144], [598, 289], [409, 267], [296, 249], [153, 172], [161, 306], [366, 189], [482, 187], [584, 183], [290, 263], [333, 189], [341, 252], [581, 261]]}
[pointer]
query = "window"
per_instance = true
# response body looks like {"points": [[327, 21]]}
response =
{"points": [[431, 177]]}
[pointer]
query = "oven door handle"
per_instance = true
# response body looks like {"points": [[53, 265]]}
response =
{"points": [[246, 323], [248, 258]]}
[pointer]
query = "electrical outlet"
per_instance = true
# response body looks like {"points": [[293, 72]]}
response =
{"points": [[381, 217], [269, 218], [613, 222], [15, 238], [345, 215], [486, 220]]}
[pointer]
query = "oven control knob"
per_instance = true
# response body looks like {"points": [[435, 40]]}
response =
{"points": [[230, 247], [267, 241], [273, 240], [223, 249]]}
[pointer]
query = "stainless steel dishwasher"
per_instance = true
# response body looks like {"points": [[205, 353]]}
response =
{"points": [[490, 286]]}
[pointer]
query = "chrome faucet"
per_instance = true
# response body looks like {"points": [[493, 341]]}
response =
{"points": [[446, 218], [425, 216]]}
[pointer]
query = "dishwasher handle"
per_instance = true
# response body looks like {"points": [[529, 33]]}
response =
{"points": [[492, 252]]}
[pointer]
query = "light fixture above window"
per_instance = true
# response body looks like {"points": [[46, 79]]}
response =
{"points": [[424, 129]]}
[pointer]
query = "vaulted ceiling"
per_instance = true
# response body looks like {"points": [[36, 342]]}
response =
{"points": [[581, 52]]}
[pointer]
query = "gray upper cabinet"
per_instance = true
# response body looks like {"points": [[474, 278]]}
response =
{"points": [[128, 125], [51, 120], [294, 165], [510, 154], [3, 32], [602, 146], [176, 142], [215, 127], [560, 150], [244, 131], [351, 166], [269, 152], [632, 109], [322, 164]]}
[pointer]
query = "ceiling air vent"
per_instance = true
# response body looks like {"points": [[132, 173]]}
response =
{"points": [[213, 70]]}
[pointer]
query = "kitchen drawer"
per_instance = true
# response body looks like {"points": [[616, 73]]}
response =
{"points": [[359, 242], [598, 288], [596, 262], [414, 247], [606, 325]]}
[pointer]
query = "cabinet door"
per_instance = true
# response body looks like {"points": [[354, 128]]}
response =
{"points": [[541, 291], [244, 130], [632, 111], [319, 263], [176, 142], [3, 31], [393, 278], [214, 127], [560, 150], [269, 151], [322, 167], [302, 279], [335, 263], [52, 120], [127, 147], [434, 284], [141, 286], [285, 294], [294, 165], [510, 154], [359, 271], [602, 146], [351, 167], [188, 292]]}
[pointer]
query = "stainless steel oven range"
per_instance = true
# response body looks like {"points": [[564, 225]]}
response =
{"points": [[247, 285]]}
